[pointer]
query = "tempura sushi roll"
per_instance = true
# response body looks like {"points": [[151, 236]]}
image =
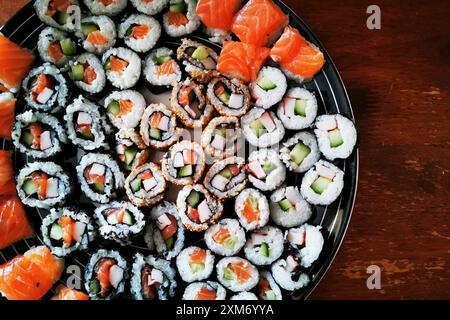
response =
{"points": [[262, 128], [226, 237], [269, 88], [264, 245], [197, 208], [237, 274], [243, 296], [124, 108], [105, 274], [226, 178], [229, 97], [38, 135], [119, 221], [140, 32], [322, 184], [252, 209], [131, 149], [189, 104], [194, 264], [56, 46], [97, 33], [288, 274], [199, 60], [149, 7], [145, 185], [184, 163], [152, 278], [122, 67], [288, 208], [266, 171], [336, 136], [66, 230], [298, 109], [220, 137], [43, 185], [161, 68], [306, 243], [57, 13], [159, 127], [87, 73], [300, 152], [45, 89], [267, 287], [209, 290], [99, 176], [107, 7], [165, 233], [181, 18]]}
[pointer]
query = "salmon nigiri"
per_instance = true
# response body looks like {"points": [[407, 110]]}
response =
{"points": [[7, 105], [30, 276], [7, 182], [64, 293]]}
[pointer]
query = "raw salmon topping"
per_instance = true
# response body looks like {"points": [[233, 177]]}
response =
{"points": [[166, 68], [221, 235], [197, 256], [125, 107], [68, 225], [242, 271], [40, 179], [206, 294], [141, 31], [117, 64], [176, 19], [89, 75], [217, 14], [54, 51], [97, 38]]}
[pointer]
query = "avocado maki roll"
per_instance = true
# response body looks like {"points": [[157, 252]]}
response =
{"points": [[181, 18], [298, 109], [306, 243], [199, 60], [225, 238], [220, 138], [124, 108], [58, 14], [269, 87], [109, 8], [252, 209], [56, 46], [149, 7], [300, 152], [161, 68], [122, 67], [97, 33], [140, 32], [264, 245], [262, 128], [229, 97], [288, 274], [87, 73], [288, 208], [194, 264], [265, 170], [267, 288], [243, 296], [237, 274], [131, 149], [209, 290]]}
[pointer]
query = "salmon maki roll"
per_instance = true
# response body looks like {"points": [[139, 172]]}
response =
{"points": [[194, 264], [98, 34], [237, 274], [107, 7], [65, 293], [56, 46], [7, 183], [124, 108], [7, 107], [161, 68], [140, 32], [181, 18], [252, 209], [122, 67], [60, 14]]}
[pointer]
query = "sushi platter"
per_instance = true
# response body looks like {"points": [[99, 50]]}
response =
{"points": [[168, 150]]}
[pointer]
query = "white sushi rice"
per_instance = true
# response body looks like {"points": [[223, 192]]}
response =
{"points": [[133, 117], [48, 36], [97, 7], [275, 292], [130, 75], [193, 289], [185, 270], [151, 69], [149, 7], [285, 110], [263, 207], [272, 179], [307, 139], [299, 213], [267, 98], [233, 284], [41, 7], [272, 237], [284, 277], [142, 44], [244, 295], [108, 29], [311, 242], [99, 83], [266, 139], [191, 26], [236, 232]]}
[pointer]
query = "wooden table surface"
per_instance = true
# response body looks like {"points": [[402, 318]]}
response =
{"points": [[398, 82]]}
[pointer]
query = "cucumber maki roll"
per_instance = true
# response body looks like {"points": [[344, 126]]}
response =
{"points": [[262, 128], [184, 163], [197, 208], [122, 67], [266, 171], [264, 246], [181, 18], [97, 33], [56, 46], [298, 109], [43, 185], [38, 135], [124, 108], [237, 274], [152, 279], [66, 230], [243, 296], [159, 127], [109, 8], [165, 233], [288, 208], [220, 138], [225, 238], [252, 209], [267, 288], [306, 243], [226, 178], [105, 275], [161, 68], [87, 73], [269, 87], [149, 7], [131, 149], [336, 136], [58, 14], [45, 89], [209, 290], [194, 264], [322, 184], [288, 274], [300, 152], [199, 60], [140, 32], [145, 185], [229, 97], [99, 177], [119, 221]]}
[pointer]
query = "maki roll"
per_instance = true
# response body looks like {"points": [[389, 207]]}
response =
{"points": [[189, 104], [252, 209], [38, 135], [237, 274], [56, 46], [269, 87], [197, 208], [184, 163], [244, 295], [43, 185], [105, 274], [226, 178], [221, 136], [165, 233], [262, 128], [322, 184], [306, 243], [98, 34], [266, 171], [267, 287], [45, 89], [66, 230], [288, 208], [124, 108], [209, 290], [149, 7], [161, 68], [130, 149], [140, 32], [288, 274], [336, 136], [298, 109], [226, 237], [87, 73], [198, 60], [122, 67], [300, 152], [159, 127], [229, 97], [99, 176], [181, 18], [152, 279], [194, 264], [119, 221], [57, 13], [145, 185], [264, 246], [107, 7]]}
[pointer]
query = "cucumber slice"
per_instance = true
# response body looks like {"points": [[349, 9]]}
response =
{"points": [[136, 185], [300, 107], [155, 133], [128, 218], [320, 184], [98, 187], [335, 138], [270, 295], [27, 138], [226, 173], [299, 153], [178, 7], [196, 267], [130, 154], [186, 171], [224, 97], [268, 166], [162, 59], [253, 202], [61, 17], [193, 199], [30, 187], [77, 72], [56, 232], [169, 243], [200, 53], [257, 127], [88, 27], [228, 274], [265, 83], [264, 249], [113, 108], [285, 205], [222, 131], [87, 135], [107, 64], [129, 31], [230, 243], [94, 286], [68, 46]]}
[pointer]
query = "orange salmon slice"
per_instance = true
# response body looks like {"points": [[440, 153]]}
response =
{"points": [[166, 68], [141, 31], [206, 294], [176, 19], [117, 64], [197, 256], [97, 38]]}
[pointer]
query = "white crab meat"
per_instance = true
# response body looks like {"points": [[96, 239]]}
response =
{"points": [[219, 182], [267, 121], [325, 172], [149, 184], [218, 142], [296, 236], [293, 195], [52, 188], [236, 101], [79, 229], [84, 118], [120, 149], [46, 141], [204, 211], [164, 124], [178, 161], [156, 277], [97, 169], [189, 156], [289, 106], [115, 275], [291, 264], [45, 95], [256, 169], [163, 221]]}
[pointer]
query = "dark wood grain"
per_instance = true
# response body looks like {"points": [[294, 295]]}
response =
{"points": [[397, 80]]}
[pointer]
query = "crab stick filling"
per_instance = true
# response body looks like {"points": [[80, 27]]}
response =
{"points": [[262, 125], [198, 209], [184, 162], [293, 106], [291, 200], [108, 276], [41, 185], [116, 216], [228, 97], [95, 177], [37, 136], [221, 180], [67, 231], [159, 124], [42, 88], [151, 280], [260, 170], [144, 182], [188, 99], [334, 132], [324, 178], [83, 125], [167, 225], [222, 136]]}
